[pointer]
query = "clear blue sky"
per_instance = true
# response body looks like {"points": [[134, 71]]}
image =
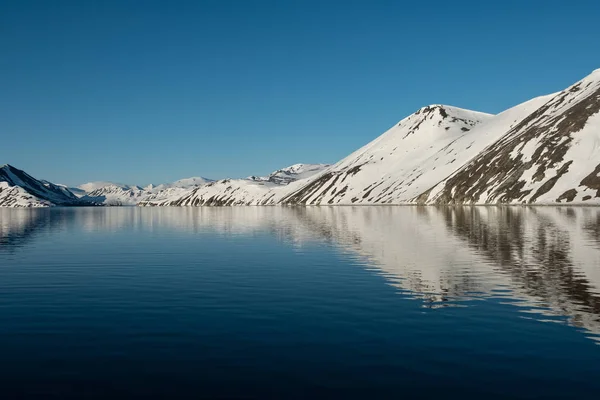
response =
{"points": [[153, 91]]}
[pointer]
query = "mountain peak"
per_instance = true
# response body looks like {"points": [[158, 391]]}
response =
{"points": [[441, 119], [429, 108], [446, 111]]}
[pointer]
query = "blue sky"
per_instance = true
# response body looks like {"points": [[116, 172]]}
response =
{"points": [[153, 91]]}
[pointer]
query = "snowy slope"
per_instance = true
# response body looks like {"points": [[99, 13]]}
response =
{"points": [[552, 156], [16, 196], [156, 196], [19, 189], [220, 193]]}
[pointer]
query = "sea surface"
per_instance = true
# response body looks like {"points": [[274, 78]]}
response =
{"points": [[300, 302]]}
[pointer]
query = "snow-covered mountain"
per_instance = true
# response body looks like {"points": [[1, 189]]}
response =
{"points": [[19, 189], [92, 186], [185, 183], [250, 191], [290, 174], [115, 194], [551, 156], [410, 157], [543, 151]]}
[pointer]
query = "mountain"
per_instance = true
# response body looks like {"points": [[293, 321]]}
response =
{"points": [[185, 183], [543, 151], [292, 173], [114, 194], [410, 157], [92, 186], [551, 156], [250, 191], [19, 189]]}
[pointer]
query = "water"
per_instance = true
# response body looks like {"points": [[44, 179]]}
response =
{"points": [[352, 302]]}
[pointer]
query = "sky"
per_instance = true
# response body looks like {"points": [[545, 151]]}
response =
{"points": [[143, 92]]}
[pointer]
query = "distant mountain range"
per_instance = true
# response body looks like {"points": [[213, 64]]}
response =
{"points": [[18, 189], [543, 151]]}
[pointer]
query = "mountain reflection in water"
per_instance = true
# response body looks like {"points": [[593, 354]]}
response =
{"points": [[543, 260]]}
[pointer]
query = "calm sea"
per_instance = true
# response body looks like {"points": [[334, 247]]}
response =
{"points": [[317, 302]]}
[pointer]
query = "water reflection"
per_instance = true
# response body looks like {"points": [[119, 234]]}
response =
{"points": [[17, 226], [551, 256], [544, 260]]}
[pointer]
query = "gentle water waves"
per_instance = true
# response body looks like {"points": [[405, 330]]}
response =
{"points": [[365, 302]]}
